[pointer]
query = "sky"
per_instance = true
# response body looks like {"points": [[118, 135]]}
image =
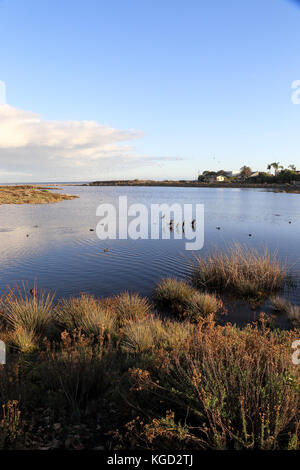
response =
{"points": [[162, 89]]}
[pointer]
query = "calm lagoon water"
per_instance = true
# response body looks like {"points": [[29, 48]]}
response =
{"points": [[62, 254]]}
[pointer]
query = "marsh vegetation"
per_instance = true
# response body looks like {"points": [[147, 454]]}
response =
{"points": [[27, 194], [160, 373]]}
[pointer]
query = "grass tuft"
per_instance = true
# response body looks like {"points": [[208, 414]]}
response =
{"points": [[201, 305], [243, 271], [130, 307], [85, 313], [173, 294], [31, 312]]}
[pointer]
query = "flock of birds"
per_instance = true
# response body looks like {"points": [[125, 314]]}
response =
{"points": [[171, 225]]}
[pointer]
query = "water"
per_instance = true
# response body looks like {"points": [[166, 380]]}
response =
{"points": [[62, 254]]}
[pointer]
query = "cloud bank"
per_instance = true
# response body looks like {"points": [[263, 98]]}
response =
{"points": [[49, 150]]}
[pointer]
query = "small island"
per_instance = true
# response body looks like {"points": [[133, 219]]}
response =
{"points": [[30, 194]]}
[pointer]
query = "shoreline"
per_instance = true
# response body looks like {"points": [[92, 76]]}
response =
{"points": [[283, 188], [30, 194]]}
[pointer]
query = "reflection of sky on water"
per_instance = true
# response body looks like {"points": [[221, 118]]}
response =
{"points": [[62, 254]]}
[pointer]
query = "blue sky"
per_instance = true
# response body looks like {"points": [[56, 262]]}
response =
{"points": [[152, 88]]}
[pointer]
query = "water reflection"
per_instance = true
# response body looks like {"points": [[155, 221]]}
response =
{"points": [[54, 245]]}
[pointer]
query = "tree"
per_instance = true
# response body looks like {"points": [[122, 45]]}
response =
{"points": [[276, 167], [292, 167], [245, 172]]}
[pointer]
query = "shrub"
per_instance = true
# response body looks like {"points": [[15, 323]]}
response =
{"points": [[80, 372], [11, 426], [234, 389]]}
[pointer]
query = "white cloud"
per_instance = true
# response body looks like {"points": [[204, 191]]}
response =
{"points": [[31, 145], [13, 173]]}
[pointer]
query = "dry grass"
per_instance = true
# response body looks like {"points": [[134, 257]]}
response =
{"points": [[200, 305], [31, 312], [150, 382], [129, 307], [184, 301], [23, 339], [152, 333], [172, 295], [243, 271], [293, 313], [281, 305], [233, 389], [85, 313], [30, 195]]}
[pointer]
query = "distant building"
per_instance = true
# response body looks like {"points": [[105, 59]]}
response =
{"points": [[214, 179], [232, 173], [254, 174], [220, 178]]}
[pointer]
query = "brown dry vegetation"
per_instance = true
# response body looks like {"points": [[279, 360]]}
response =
{"points": [[115, 374], [240, 270], [30, 195]]}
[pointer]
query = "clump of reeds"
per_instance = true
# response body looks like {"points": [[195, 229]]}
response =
{"points": [[281, 305], [183, 300], [129, 307], [23, 339], [172, 294], [241, 270], [27, 311], [85, 313], [152, 333], [201, 305]]}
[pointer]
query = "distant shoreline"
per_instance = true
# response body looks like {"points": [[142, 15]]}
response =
{"points": [[30, 194], [285, 188]]}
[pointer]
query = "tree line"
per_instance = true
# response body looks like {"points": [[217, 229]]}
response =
{"points": [[276, 173]]}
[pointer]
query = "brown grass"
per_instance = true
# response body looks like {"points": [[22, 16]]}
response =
{"points": [[85, 313], [30, 195], [183, 300], [129, 307], [172, 295], [241, 270], [126, 378], [233, 389], [25, 311]]}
